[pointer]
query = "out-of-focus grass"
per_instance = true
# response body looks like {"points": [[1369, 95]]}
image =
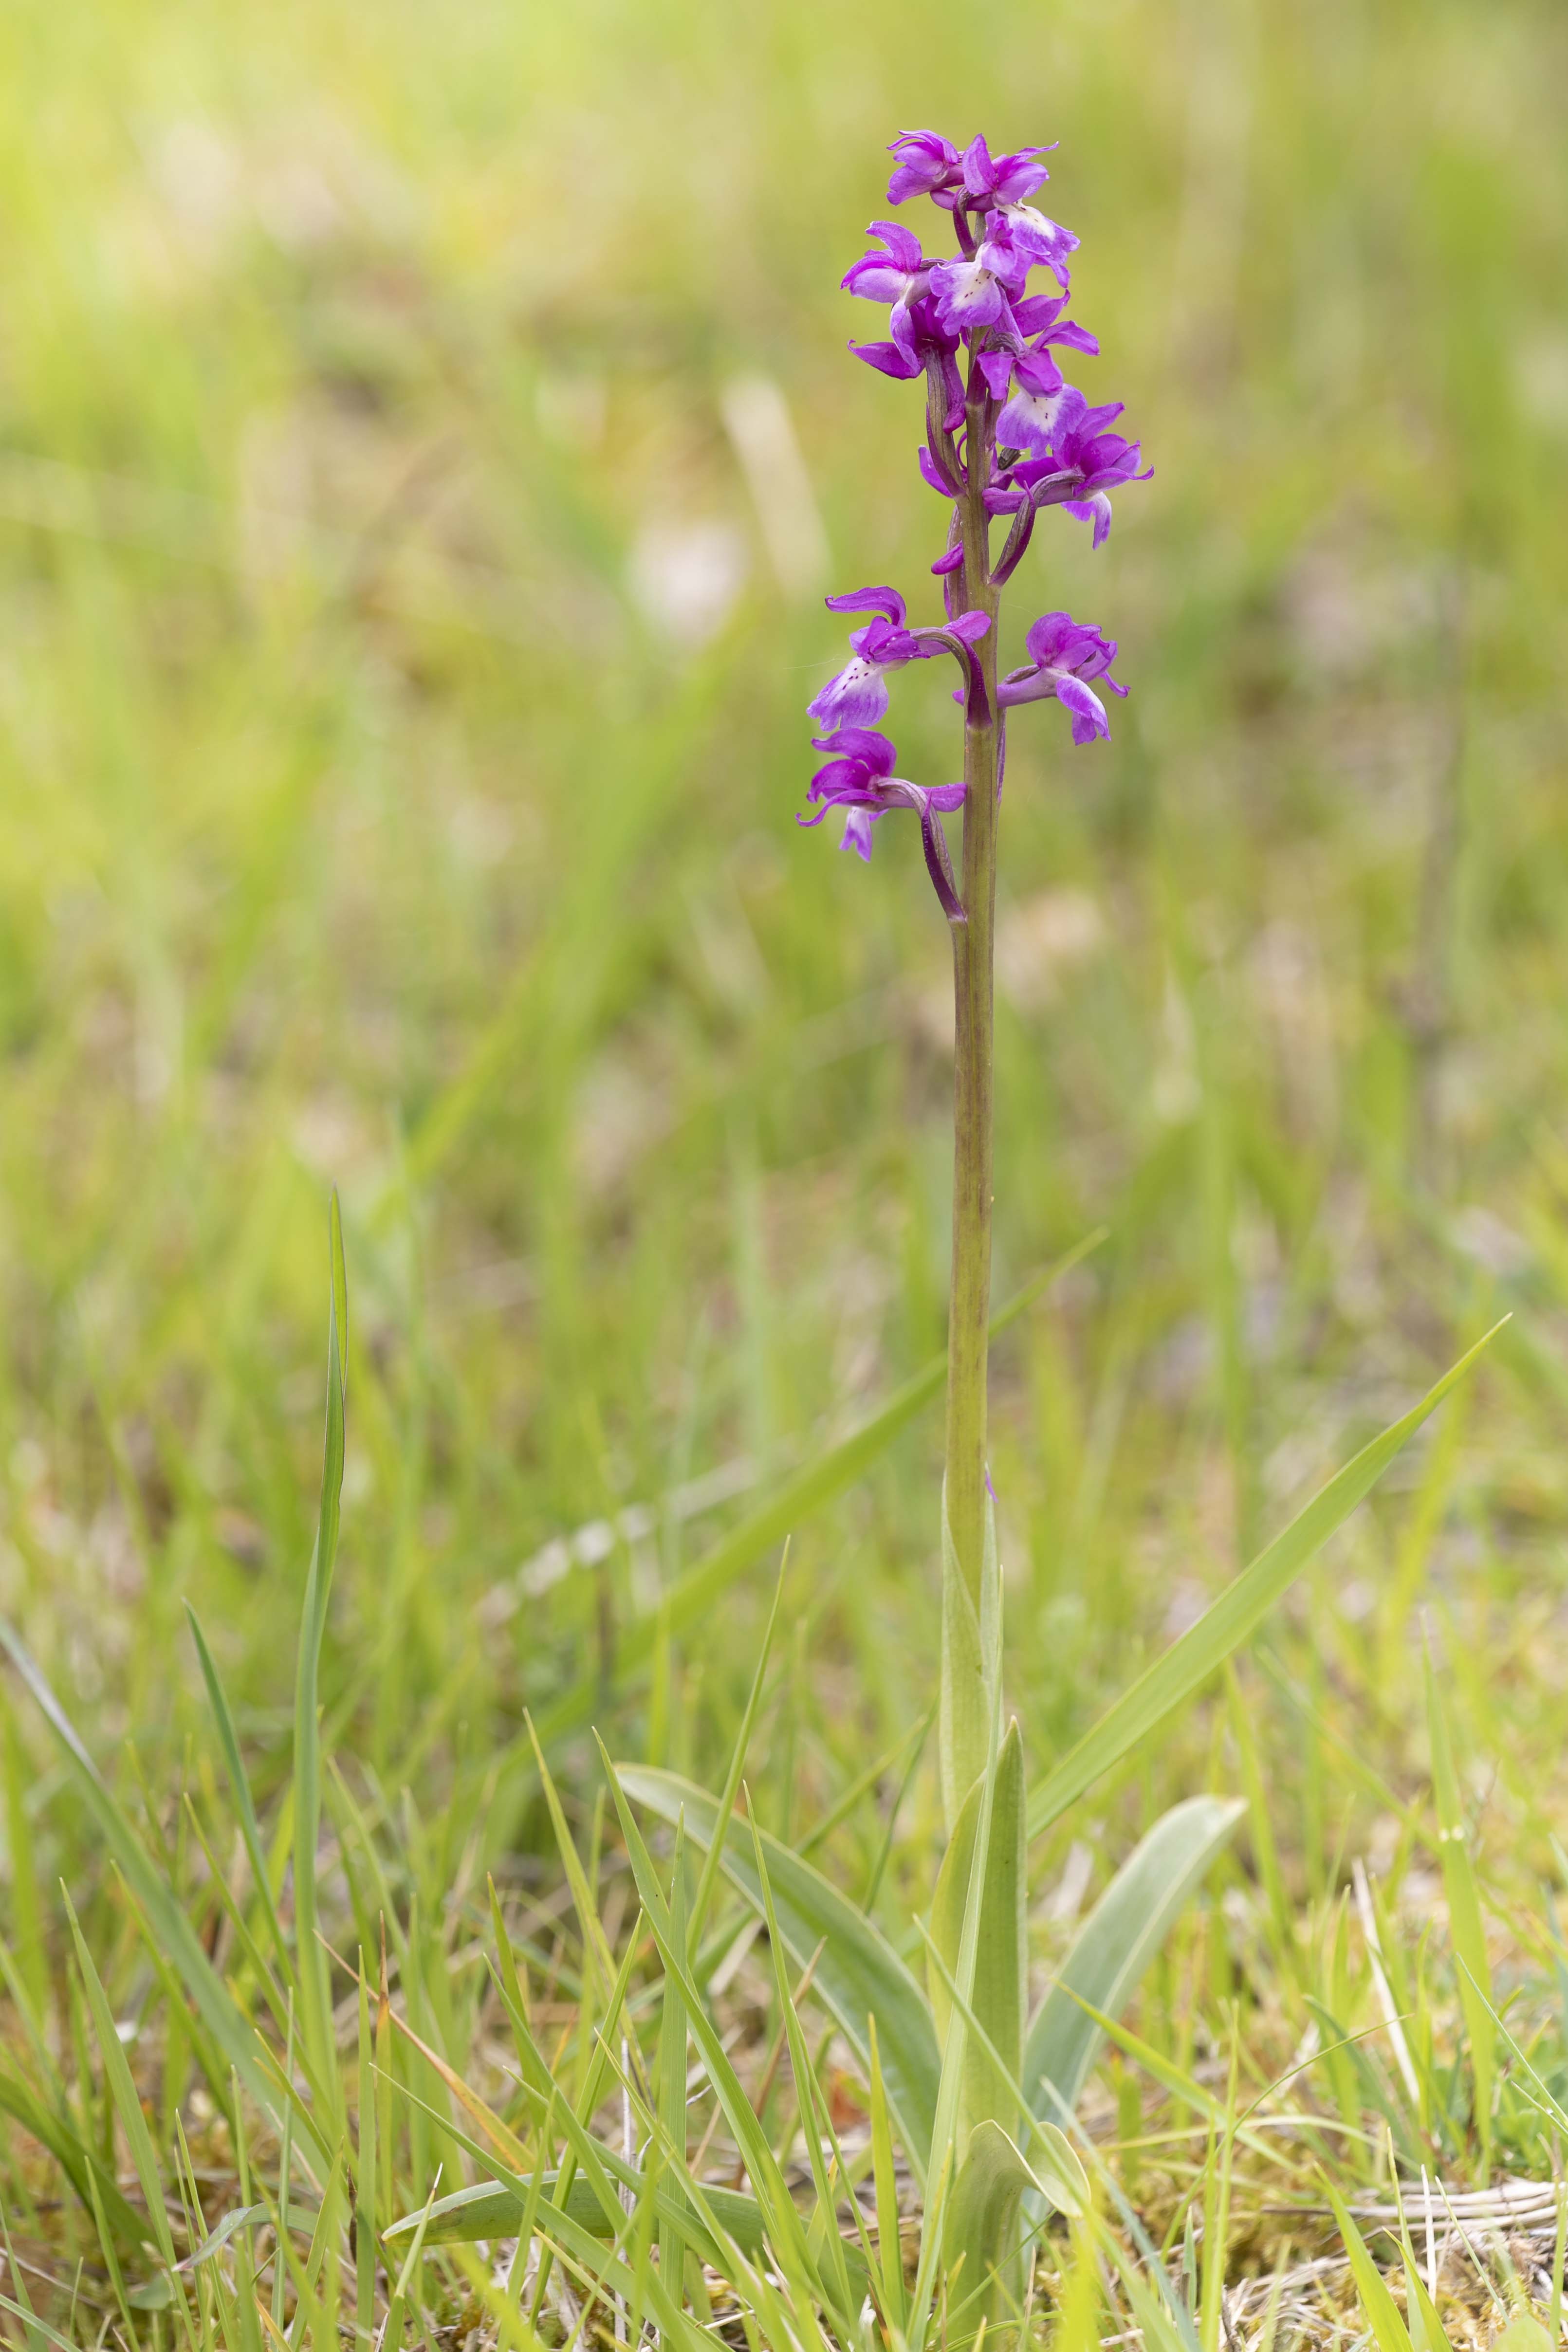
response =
{"points": [[403, 641]]}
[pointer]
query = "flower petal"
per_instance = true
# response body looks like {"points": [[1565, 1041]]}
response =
{"points": [[870, 600], [857, 697], [857, 823]]}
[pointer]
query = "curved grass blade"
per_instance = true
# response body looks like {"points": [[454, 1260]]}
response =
{"points": [[229, 1739], [1115, 1945], [1226, 1623], [859, 1971]]}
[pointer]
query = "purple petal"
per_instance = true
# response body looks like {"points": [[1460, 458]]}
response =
{"points": [[996, 367], [967, 295], [861, 743], [1095, 510], [1088, 716], [1037, 371], [904, 248], [875, 279], [1039, 311], [857, 698], [857, 823], [971, 626], [929, 473], [887, 358], [870, 600], [946, 797], [1070, 332], [978, 172], [946, 565]]}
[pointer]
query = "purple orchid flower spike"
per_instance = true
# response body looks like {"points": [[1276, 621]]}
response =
{"points": [[857, 697], [1006, 437], [858, 778], [1064, 654]]}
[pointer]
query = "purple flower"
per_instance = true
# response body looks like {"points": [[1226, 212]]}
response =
{"points": [[1035, 239], [858, 778], [1080, 466], [896, 276], [1004, 180], [928, 165], [978, 290], [859, 696], [1064, 654]]}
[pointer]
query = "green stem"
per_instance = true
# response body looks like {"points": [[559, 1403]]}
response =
{"points": [[970, 1302]]}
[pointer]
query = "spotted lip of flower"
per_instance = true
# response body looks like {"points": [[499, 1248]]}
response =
{"points": [[929, 166], [858, 778], [857, 697], [1064, 654], [980, 289]]}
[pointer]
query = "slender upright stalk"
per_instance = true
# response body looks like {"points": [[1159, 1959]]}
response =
{"points": [[970, 1297]]}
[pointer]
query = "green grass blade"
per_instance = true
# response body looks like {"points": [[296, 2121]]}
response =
{"points": [[1466, 1926], [122, 2092], [1116, 1944], [229, 1739], [1384, 2315], [315, 1987], [859, 1971], [1226, 1623], [672, 2071], [708, 1877]]}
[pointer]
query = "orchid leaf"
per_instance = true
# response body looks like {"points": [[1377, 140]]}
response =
{"points": [[997, 1998], [1115, 1945]]}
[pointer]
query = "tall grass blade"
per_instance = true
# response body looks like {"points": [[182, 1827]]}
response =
{"points": [[229, 1739], [1465, 1926], [1226, 1623], [1384, 2315], [315, 1991]]}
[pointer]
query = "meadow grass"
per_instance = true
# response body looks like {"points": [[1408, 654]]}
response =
{"points": [[410, 605]]}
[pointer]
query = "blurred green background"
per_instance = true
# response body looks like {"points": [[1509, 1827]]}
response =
{"points": [[426, 437]]}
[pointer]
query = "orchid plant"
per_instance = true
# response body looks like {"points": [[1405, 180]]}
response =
{"points": [[974, 2091], [1005, 436]]}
